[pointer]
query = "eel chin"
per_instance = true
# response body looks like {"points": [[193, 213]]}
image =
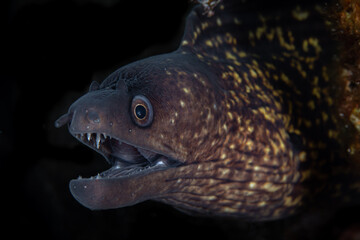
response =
{"points": [[126, 182]]}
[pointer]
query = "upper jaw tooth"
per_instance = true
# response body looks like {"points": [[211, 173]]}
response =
{"points": [[97, 140], [102, 138], [88, 136]]}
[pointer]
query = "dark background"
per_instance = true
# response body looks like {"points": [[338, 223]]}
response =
{"points": [[51, 50]]}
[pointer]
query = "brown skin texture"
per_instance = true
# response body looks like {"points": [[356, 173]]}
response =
{"points": [[244, 106], [347, 31]]}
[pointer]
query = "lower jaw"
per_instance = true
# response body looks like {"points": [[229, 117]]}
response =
{"points": [[120, 187]]}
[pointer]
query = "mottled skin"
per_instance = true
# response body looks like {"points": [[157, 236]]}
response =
{"points": [[243, 107]]}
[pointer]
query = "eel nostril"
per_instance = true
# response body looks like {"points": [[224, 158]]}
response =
{"points": [[64, 119], [93, 116]]}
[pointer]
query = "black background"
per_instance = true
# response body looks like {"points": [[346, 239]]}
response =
{"points": [[51, 50]]}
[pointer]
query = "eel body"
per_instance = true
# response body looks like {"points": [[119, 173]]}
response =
{"points": [[238, 121]]}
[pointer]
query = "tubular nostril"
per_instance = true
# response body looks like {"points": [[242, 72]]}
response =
{"points": [[64, 119], [93, 116]]}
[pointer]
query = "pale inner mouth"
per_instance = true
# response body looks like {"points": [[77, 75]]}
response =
{"points": [[124, 158]]}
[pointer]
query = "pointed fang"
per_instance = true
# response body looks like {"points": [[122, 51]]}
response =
{"points": [[88, 136], [97, 140]]}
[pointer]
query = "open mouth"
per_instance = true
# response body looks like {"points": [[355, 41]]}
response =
{"points": [[125, 159]]}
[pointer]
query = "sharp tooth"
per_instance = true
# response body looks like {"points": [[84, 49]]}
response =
{"points": [[97, 140], [160, 163], [117, 165], [102, 137], [88, 136]]}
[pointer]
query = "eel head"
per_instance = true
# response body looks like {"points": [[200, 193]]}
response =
{"points": [[143, 123]]}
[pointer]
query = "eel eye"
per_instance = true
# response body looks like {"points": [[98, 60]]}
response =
{"points": [[142, 111]]}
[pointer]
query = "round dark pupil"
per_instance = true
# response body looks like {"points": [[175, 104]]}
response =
{"points": [[140, 111]]}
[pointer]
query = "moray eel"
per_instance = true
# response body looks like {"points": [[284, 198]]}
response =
{"points": [[237, 121]]}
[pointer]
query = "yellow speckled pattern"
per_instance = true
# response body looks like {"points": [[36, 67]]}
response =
{"points": [[274, 121]]}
